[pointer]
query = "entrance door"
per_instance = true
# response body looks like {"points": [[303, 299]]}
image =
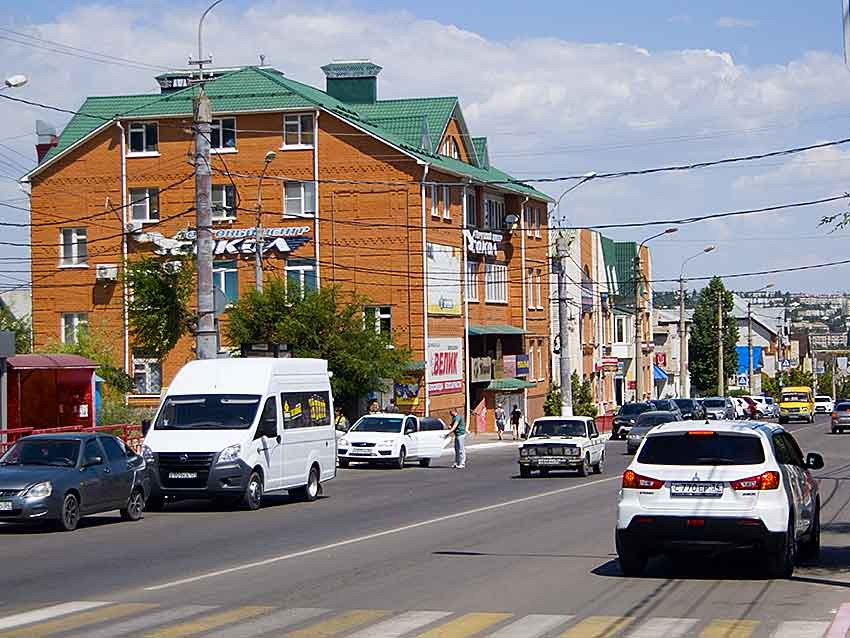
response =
{"points": [[618, 390]]}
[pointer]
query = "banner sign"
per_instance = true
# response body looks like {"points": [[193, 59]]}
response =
{"points": [[661, 359], [236, 241], [443, 263], [445, 370], [509, 366], [522, 365], [610, 364], [406, 390], [482, 242], [482, 369]]}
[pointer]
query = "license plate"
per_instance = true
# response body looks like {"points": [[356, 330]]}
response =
{"points": [[361, 452], [5, 506], [696, 489], [550, 461], [182, 475]]}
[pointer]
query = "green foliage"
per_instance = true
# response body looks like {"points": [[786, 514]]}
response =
{"points": [[582, 398], [114, 411], [21, 328], [159, 312], [738, 392], [96, 344], [325, 325], [703, 347], [772, 386], [552, 403]]}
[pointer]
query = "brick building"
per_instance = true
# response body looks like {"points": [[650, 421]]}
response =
{"points": [[391, 199]]}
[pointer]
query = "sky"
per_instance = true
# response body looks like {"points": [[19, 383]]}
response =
{"points": [[560, 88]]}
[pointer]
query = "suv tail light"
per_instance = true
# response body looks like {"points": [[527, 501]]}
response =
{"points": [[834, 415], [766, 481], [634, 481]]}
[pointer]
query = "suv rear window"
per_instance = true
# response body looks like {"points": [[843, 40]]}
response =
{"points": [[635, 408], [842, 407], [713, 449]]}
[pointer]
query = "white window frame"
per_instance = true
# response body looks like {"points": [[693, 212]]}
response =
{"points": [[473, 275], [540, 374], [218, 124], [447, 203], [435, 200], [379, 313], [539, 289], [77, 258], [77, 321], [530, 288], [471, 209], [134, 127], [531, 347], [495, 283], [147, 364], [494, 213], [537, 217], [220, 271], [220, 194], [307, 187], [289, 118], [143, 197], [623, 321], [526, 215], [300, 268]]}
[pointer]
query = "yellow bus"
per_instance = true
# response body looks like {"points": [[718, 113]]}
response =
{"points": [[796, 402]]}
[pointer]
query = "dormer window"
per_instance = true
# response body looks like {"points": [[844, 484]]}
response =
{"points": [[451, 149]]}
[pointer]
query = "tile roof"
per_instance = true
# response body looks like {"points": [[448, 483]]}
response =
{"points": [[252, 89]]}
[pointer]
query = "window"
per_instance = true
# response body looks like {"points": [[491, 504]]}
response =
{"points": [[91, 452], [147, 376], [531, 361], [268, 417], [537, 216], [144, 138], [380, 317], [530, 286], [301, 273], [72, 324], [526, 216], [144, 204], [451, 149], [447, 203], [320, 410], [496, 283], [494, 214], [473, 268], [621, 329], [305, 409], [223, 202], [435, 200], [298, 130], [74, 249], [430, 424], [299, 199], [115, 451], [540, 360], [223, 134], [225, 279], [718, 449], [539, 289], [471, 209]]}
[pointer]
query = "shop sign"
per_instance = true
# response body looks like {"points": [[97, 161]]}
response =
{"points": [[444, 276], [621, 368], [631, 384], [661, 359], [236, 241], [482, 369], [611, 364], [482, 242], [522, 365], [509, 365], [445, 372], [406, 390]]}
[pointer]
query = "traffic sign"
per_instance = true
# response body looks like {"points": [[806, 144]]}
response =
{"points": [[743, 380], [786, 364]]}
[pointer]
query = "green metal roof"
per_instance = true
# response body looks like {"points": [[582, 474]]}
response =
{"points": [[478, 330], [501, 385], [352, 69], [252, 89], [480, 145]]}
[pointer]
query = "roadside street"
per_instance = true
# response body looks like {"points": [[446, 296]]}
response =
{"points": [[477, 550]]}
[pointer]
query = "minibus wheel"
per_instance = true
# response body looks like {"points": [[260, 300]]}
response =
{"points": [[253, 496]]}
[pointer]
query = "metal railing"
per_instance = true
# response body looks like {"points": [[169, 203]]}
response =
{"points": [[130, 434]]}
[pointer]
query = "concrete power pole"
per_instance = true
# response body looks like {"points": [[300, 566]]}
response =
{"points": [[721, 385], [750, 345], [206, 346], [563, 329], [683, 343], [638, 333]]}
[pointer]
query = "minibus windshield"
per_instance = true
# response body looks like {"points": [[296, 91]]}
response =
{"points": [[208, 412], [794, 397]]}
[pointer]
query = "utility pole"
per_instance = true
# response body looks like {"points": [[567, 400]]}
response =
{"points": [[834, 373], [683, 342], [259, 238], [638, 333], [563, 328], [750, 345], [721, 384]]}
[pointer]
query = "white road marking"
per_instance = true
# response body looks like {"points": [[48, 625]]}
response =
{"points": [[401, 625], [841, 623], [801, 629], [267, 624], [666, 627], [46, 613], [368, 537], [532, 626], [148, 620]]}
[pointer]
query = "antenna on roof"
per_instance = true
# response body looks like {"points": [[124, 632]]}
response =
{"points": [[262, 59]]}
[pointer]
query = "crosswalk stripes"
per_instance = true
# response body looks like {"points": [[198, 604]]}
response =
{"points": [[91, 619]]}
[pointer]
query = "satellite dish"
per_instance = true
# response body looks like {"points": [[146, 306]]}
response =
{"points": [[219, 301]]}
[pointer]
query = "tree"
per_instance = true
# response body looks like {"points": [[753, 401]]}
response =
{"points": [[772, 386], [159, 312], [21, 328], [582, 398], [703, 347], [323, 324]]}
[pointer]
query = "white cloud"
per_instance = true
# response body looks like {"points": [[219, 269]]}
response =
{"points": [[812, 169], [735, 23]]}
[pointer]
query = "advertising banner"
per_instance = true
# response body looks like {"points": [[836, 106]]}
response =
{"points": [[482, 369], [522, 365], [444, 278], [445, 365], [235, 241], [661, 359], [509, 365], [406, 390]]}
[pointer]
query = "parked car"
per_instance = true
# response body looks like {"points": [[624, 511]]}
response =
{"points": [[751, 408], [762, 407], [719, 408], [62, 477], [841, 417], [824, 404], [645, 422], [625, 418], [720, 487], [690, 409], [562, 443], [667, 405], [393, 439], [233, 429]]}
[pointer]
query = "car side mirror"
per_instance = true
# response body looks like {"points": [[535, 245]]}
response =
{"points": [[146, 426], [814, 461]]}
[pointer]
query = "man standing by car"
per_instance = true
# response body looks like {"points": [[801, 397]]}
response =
{"points": [[457, 428]]}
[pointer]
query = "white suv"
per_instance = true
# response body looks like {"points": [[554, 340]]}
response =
{"points": [[725, 485], [392, 439], [824, 404]]}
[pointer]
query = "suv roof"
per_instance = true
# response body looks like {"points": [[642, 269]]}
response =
{"points": [[720, 426]]}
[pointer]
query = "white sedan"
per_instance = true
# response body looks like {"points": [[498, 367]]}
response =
{"points": [[562, 443], [392, 439]]}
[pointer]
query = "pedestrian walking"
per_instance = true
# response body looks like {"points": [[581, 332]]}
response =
{"points": [[516, 419], [340, 422], [374, 407], [457, 428], [501, 420]]}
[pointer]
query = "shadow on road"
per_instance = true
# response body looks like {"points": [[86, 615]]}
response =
{"points": [[515, 555], [48, 527]]}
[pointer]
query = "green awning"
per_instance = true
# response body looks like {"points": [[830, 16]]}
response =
{"points": [[502, 385], [478, 330]]}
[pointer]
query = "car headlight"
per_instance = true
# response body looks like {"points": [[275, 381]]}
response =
{"points": [[148, 454], [230, 454], [387, 443], [531, 451], [39, 490], [343, 442], [523, 451]]}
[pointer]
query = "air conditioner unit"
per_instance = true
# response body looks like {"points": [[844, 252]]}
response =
{"points": [[106, 272], [133, 227]]}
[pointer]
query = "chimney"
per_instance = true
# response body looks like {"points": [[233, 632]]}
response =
{"points": [[352, 81], [46, 138]]}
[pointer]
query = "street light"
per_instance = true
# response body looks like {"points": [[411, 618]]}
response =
{"points": [[258, 226], [683, 333], [750, 335], [15, 82], [638, 332]]}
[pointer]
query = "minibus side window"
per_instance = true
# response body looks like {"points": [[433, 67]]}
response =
{"points": [[320, 413], [268, 420], [295, 412]]}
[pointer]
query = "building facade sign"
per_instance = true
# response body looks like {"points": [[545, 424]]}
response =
{"points": [[406, 390], [661, 359], [482, 369], [445, 365], [522, 365], [444, 279], [482, 242], [236, 241], [509, 365]]}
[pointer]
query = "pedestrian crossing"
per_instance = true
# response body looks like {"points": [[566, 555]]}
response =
{"points": [[98, 619]]}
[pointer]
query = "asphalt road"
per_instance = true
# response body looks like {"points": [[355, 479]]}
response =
{"points": [[425, 551]]}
